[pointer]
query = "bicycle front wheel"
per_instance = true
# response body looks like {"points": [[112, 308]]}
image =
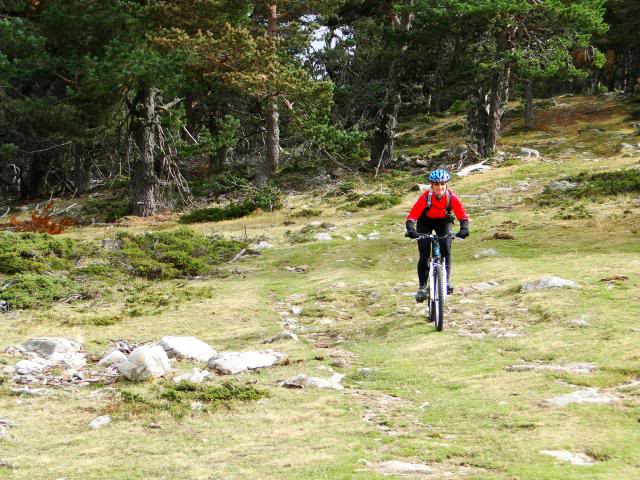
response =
{"points": [[441, 292]]}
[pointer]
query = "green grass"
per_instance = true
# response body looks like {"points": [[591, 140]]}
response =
{"points": [[456, 403]]}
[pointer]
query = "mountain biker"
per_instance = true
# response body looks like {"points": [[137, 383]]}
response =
{"points": [[432, 212]]}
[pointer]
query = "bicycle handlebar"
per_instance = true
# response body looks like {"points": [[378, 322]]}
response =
{"points": [[428, 236]]}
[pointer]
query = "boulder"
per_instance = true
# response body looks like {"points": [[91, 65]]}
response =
{"points": [[548, 282], [189, 348], [588, 395], [34, 365], [48, 346], [194, 376], [296, 310], [144, 362], [115, 358], [231, 363], [570, 457], [576, 368], [322, 237], [100, 422]]}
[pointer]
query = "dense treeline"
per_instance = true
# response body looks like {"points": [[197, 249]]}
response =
{"points": [[159, 92]]}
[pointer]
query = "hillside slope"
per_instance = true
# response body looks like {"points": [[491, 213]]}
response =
{"points": [[449, 404]]}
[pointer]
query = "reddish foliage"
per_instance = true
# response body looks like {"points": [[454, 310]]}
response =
{"points": [[41, 221]]}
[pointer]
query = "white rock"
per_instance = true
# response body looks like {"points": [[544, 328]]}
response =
{"points": [[144, 362], [562, 185], [395, 467], [572, 458], [487, 252], [35, 365], [231, 363], [262, 246], [548, 282], [286, 335], [315, 223], [115, 358], [72, 360], [322, 237], [194, 376], [99, 422], [47, 346], [577, 368], [302, 380], [588, 395], [196, 406], [579, 323], [296, 310], [365, 372], [361, 237], [347, 238], [190, 348], [373, 236]]}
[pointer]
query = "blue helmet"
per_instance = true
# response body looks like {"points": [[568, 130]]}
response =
{"points": [[439, 176]]}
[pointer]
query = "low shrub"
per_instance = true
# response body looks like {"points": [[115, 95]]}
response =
{"points": [[593, 186], [307, 213], [180, 253], [573, 212], [177, 399], [217, 214], [306, 234], [30, 290], [36, 252], [378, 200]]}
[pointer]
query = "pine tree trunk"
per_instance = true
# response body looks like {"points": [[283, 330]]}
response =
{"points": [[81, 169], [385, 132], [485, 133], [528, 106], [38, 166], [272, 157], [633, 72], [144, 181]]}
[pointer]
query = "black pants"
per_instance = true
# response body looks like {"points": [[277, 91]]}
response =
{"points": [[442, 227]]}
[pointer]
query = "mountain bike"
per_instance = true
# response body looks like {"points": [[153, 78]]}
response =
{"points": [[436, 280]]}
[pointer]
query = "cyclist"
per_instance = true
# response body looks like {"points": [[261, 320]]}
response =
{"points": [[432, 212]]}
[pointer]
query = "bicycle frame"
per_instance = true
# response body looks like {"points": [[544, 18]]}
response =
{"points": [[436, 258]]}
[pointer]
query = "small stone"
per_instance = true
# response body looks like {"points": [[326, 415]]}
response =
{"points": [[347, 238], [114, 358], [548, 282], [286, 335], [195, 406], [154, 426], [322, 237], [194, 376], [296, 310], [579, 323], [339, 363], [100, 422], [262, 246], [373, 236], [366, 372], [302, 380], [425, 405], [561, 185], [4, 306], [572, 458], [487, 252], [361, 237]]}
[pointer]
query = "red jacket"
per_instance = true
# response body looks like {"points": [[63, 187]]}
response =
{"points": [[438, 207]]}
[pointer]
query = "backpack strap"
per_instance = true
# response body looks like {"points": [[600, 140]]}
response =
{"points": [[448, 207]]}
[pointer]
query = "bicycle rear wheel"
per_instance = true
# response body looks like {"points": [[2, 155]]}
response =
{"points": [[440, 294]]}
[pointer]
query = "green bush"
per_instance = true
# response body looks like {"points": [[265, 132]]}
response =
{"points": [[36, 252], [104, 210], [593, 186], [379, 200], [217, 214], [177, 399], [308, 212], [29, 290], [180, 253]]}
